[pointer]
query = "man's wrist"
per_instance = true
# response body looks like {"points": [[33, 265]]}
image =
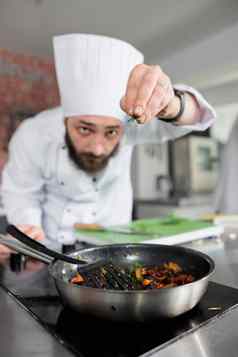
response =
{"points": [[175, 108], [171, 110]]}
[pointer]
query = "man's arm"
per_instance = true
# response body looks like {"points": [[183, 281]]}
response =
{"points": [[150, 95], [22, 181]]}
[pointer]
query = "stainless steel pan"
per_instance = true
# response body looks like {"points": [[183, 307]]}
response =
{"points": [[134, 305]]}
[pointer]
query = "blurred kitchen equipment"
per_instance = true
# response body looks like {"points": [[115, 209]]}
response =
{"points": [[193, 165], [150, 176]]}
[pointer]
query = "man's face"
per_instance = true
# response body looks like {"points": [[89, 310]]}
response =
{"points": [[92, 141]]}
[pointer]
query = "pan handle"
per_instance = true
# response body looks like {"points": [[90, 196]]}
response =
{"points": [[21, 248], [37, 246]]}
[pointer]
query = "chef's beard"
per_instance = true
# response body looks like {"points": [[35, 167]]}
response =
{"points": [[86, 161]]}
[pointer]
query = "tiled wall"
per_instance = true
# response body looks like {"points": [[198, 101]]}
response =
{"points": [[27, 86]]}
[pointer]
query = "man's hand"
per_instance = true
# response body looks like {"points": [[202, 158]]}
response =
{"points": [[4, 250], [149, 92], [32, 231]]}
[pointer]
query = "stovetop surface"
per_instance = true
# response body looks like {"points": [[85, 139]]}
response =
{"points": [[86, 336]]}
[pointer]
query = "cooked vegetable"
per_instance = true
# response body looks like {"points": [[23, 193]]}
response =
{"points": [[77, 279], [167, 275]]}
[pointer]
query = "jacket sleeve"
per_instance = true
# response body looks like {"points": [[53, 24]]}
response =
{"points": [[22, 180], [158, 131]]}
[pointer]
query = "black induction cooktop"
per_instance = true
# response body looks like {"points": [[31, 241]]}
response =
{"points": [[87, 337]]}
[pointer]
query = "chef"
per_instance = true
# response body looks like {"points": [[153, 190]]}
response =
{"points": [[72, 163]]}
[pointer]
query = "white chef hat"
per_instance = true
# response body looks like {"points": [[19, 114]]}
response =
{"points": [[92, 73]]}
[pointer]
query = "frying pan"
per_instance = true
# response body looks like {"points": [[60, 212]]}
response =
{"points": [[128, 305]]}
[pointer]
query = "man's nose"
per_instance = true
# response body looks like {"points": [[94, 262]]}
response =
{"points": [[98, 147]]}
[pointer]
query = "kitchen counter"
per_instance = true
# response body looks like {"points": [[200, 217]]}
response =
{"points": [[21, 334], [217, 339]]}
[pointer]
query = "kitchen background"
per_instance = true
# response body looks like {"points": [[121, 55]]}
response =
{"points": [[194, 42]]}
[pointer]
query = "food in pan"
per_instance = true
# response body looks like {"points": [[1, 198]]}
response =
{"points": [[169, 274]]}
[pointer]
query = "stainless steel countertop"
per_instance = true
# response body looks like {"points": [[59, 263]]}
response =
{"points": [[23, 336], [219, 338]]}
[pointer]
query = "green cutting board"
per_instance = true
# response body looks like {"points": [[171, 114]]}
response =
{"points": [[154, 228]]}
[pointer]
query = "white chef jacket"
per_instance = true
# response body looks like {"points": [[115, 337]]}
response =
{"points": [[42, 186]]}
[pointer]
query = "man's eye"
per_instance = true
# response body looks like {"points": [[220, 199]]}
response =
{"points": [[112, 133], [83, 130]]}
